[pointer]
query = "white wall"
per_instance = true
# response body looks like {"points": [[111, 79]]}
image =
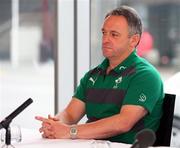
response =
{"points": [[66, 48], [0, 99], [65, 51], [83, 40], [83, 37], [21, 80]]}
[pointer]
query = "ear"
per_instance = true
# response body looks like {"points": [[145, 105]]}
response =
{"points": [[134, 40]]}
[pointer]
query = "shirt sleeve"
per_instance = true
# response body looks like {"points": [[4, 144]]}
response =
{"points": [[80, 91], [145, 89]]}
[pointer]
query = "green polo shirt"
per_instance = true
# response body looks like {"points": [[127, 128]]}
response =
{"points": [[134, 81]]}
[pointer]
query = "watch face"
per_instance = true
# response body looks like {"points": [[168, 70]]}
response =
{"points": [[73, 132]]}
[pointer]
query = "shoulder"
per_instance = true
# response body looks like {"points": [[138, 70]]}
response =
{"points": [[148, 79], [144, 67]]}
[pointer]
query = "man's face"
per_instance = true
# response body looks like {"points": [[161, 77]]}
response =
{"points": [[115, 37]]}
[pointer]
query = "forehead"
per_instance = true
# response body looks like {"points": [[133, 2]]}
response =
{"points": [[115, 22]]}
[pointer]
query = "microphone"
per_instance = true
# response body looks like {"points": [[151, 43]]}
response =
{"points": [[5, 123], [144, 138]]}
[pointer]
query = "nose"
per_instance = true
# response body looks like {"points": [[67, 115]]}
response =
{"points": [[106, 38]]}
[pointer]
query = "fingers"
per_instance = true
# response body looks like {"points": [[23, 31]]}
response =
{"points": [[41, 118], [46, 119], [47, 131], [47, 126], [53, 118], [48, 136], [46, 123], [41, 130]]}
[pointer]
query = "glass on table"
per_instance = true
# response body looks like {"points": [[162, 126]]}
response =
{"points": [[100, 144], [16, 136]]}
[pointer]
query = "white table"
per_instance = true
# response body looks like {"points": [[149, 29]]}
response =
{"points": [[32, 139]]}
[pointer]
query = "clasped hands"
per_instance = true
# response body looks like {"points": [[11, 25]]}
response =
{"points": [[53, 128]]}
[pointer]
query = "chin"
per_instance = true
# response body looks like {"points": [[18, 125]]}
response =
{"points": [[107, 52], [107, 55]]}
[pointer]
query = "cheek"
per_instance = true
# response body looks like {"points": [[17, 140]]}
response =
{"points": [[118, 50], [121, 47], [118, 47], [122, 44]]}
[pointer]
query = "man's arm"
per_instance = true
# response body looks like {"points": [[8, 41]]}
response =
{"points": [[73, 112], [111, 126], [104, 128]]}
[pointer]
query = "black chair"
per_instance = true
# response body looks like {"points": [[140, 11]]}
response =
{"points": [[163, 134]]}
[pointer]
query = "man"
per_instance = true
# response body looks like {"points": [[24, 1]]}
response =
{"points": [[121, 96]]}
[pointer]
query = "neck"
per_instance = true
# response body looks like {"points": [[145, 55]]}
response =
{"points": [[115, 61]]}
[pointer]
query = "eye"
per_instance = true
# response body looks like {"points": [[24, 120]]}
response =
{"points": [[104, 33], [114, 34]]}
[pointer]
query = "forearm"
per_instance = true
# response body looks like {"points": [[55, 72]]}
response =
{"points": [[114, 125], [65, 117], [103, 128], [73, 112]]}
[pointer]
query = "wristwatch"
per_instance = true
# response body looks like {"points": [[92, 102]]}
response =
{"points": [[73, 131]]}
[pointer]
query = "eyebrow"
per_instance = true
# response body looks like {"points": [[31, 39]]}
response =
{"points": [[115, 32], [112, 31]]}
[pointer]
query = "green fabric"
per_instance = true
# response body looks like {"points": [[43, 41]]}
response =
{"points": [[134, 81]]}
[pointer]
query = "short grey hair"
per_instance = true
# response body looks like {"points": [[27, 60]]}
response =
{"points": [[132, 17]]}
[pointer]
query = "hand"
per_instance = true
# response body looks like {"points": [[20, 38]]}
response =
{"points": [[52, 128], [53, 118]]}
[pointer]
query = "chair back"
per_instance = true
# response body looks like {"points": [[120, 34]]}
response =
{"points": [[163, 134]]}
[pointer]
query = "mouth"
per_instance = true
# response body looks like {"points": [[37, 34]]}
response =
{"points": [[107, 47]]}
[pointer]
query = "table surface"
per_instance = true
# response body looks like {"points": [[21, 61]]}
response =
{"points": [[33, 139]]}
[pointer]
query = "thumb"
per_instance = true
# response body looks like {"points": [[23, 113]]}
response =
{"points": [[53, 118]]}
